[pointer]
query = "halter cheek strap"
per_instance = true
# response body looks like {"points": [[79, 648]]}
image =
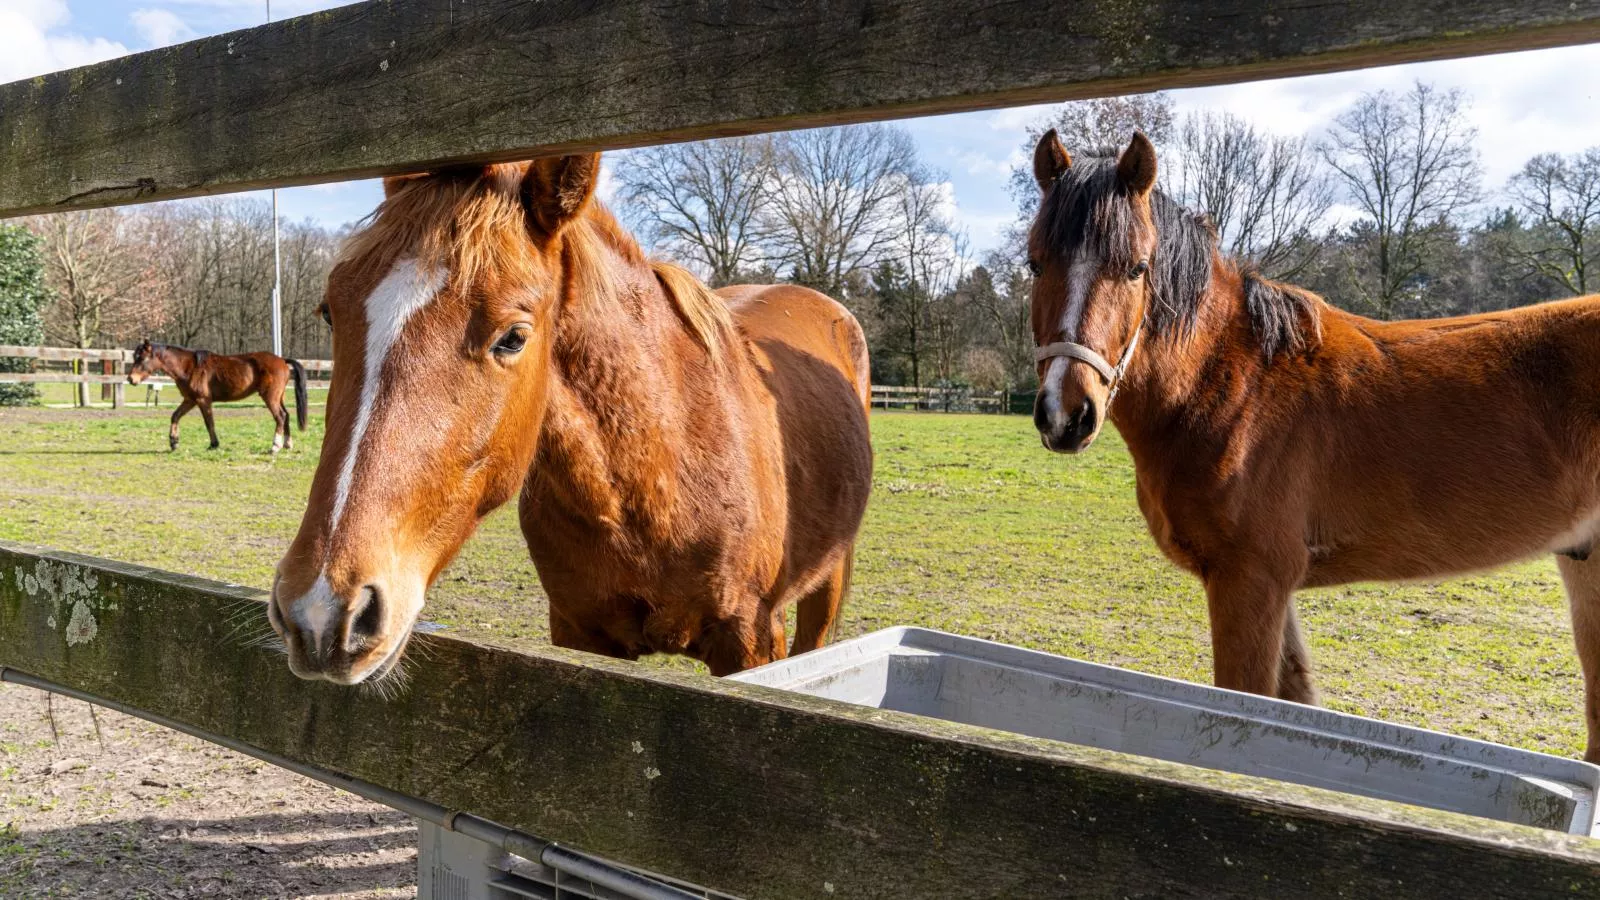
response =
{"points": [[1112, 375]]}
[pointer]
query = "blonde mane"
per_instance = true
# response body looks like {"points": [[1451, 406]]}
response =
{"points": [[472, 224]]}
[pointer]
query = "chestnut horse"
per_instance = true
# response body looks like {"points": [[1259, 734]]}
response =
{"points": [[689, 464], [204, 378], [1281, 443]]}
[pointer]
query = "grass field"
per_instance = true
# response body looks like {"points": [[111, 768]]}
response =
{"points": [[973, 528]]}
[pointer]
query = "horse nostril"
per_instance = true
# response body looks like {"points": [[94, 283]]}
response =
{"points": [[364, 628], [1085, 414]]}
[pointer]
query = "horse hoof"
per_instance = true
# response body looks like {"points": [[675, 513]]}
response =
{"points": [[213, 446]]}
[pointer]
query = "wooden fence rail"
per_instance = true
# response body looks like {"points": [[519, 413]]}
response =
{"points": [[749, 790], [883, 396], [112, 382], [386, 88]]}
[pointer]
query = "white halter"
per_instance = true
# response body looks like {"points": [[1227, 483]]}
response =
{"points": [[1112, 375]]}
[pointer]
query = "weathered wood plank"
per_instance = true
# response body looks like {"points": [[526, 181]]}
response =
{"points": [[749, 790], [380, 88]]}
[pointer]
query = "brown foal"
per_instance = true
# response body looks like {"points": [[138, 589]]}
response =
{"points": [[1281, 443], [689, 464], [204, 378]]}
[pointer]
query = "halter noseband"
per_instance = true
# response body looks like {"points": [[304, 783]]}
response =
{"points": [[1112, 375]]}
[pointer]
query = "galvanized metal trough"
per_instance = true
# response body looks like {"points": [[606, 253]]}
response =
{"points": [[978, 682]]}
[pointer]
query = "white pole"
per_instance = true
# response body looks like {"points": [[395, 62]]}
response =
{"points": [[277, 264]]}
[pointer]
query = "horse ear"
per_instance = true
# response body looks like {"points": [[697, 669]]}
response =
{"points": [[1136, 168], [393, 183], [555, 188], [1050, 160]]}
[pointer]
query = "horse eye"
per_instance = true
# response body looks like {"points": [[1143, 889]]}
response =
{"points": [[325, 314], [1034, 268], [512, 341], [1138, 270]]}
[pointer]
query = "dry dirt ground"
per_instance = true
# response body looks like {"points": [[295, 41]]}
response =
{"points": [[106, 805]]}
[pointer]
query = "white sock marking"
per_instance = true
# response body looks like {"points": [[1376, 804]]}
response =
{"points": [[404, 291]]}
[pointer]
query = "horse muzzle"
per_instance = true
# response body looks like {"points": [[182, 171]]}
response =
{"points": [[1066, 431], [338, 638]]}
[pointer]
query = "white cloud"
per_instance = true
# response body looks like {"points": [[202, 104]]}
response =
{"points": [[1521, 103], [33, 40], [161, 27]]}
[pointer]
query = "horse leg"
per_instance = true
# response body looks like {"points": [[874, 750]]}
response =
{"points": [[734, 645], [817, 613], [272, 395], [211, 426], [280, 423], [172, 430], [1249, 611], [1582, 579], [1294, 666]]}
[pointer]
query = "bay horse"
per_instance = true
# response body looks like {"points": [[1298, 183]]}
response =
{"points": [[689, 463], [1281, 443], [204, 378]]}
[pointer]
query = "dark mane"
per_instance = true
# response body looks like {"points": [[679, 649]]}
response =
{"points": [[1088, 206]]}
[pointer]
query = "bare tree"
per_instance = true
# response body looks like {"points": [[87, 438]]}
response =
{"points": [[1560, 198], [1000, 293], [833, 195], [700, 201], [1090, 125], [103, 285], [1267, 195], [1409, 166], [923, 318]]}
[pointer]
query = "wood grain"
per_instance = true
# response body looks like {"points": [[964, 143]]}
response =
{"points": [[380, 88]]}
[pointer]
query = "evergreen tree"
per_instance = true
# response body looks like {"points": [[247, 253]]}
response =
{"points": [[22, 300]]}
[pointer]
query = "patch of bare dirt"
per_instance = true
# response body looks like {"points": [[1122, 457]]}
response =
{"points": [[108, 806]]}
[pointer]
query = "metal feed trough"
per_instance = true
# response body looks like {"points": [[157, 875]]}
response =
{"points": [[979, 682]]}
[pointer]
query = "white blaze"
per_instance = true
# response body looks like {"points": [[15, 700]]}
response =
{"points": [[1080, 275], [405, 290], [316, 609]]}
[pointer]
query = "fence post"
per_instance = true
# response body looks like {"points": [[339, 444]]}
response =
{"points": [[106, 393]]}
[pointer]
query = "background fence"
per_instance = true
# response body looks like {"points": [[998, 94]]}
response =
{"points": [[108, 368]]}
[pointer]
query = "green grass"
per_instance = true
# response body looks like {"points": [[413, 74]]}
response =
{"points": [[973, 529]]}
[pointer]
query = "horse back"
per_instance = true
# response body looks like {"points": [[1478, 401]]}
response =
{"points": [[789, 320]]}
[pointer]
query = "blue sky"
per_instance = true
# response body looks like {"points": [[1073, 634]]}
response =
{"points": [[1522, 104]]}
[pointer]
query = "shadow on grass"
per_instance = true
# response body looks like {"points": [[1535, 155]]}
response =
{"points": [[269, 855]]}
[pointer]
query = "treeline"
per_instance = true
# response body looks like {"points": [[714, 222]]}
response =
{"points": [[192, 272], [1386, 213]]}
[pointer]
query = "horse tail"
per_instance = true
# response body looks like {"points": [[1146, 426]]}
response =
{"points": [[299, 391]]}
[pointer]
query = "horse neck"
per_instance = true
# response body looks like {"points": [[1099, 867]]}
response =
{"points": [[627, 385], [1174, 373], [176, 362]]}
